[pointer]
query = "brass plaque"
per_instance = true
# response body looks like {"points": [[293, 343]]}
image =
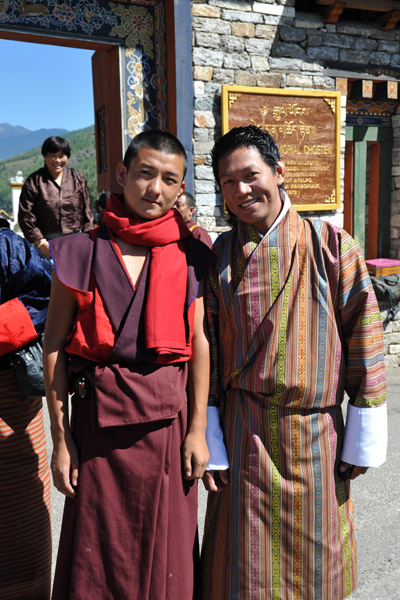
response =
{"points": [[306, 127]]}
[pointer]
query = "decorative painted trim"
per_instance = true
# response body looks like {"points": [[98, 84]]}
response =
{"points": [[370, 113], [136, 25]]}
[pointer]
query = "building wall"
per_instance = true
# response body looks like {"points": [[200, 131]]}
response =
{"points": [[391, 334], [395, 213], [270, 44]]}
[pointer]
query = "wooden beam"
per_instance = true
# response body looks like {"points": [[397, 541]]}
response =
{"points": [[360, 167], [56, 41], [385, 197], [381, 6], [108, 124], [171, 67], [342, 85], [362, 88], [180, 46], [386, 90], [373, 200], [348, 223], [369, 134], [332, 13], [389, 20]]}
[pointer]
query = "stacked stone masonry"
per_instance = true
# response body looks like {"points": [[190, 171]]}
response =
{"points": [[271, 44], [391, 328]]}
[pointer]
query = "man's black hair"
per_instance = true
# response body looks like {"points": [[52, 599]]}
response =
{"points": [[191, 202], [54, 143], [246, 137], [163, 141], [4, 223]]}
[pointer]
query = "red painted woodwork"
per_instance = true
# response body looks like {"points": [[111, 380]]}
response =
{"points": [[107, 97], [348, 222]]}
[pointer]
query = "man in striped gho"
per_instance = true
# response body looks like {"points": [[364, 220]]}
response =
{"points": [[294, 324]]}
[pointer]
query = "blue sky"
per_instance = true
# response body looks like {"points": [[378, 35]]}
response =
{"points": [[45, 86]]}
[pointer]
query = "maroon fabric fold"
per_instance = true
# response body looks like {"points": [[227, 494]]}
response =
{"points": [[146, 393]]}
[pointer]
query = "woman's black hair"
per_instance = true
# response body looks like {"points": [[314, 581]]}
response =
{"points": [[54, 143]]}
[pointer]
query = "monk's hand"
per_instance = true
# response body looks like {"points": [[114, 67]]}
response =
{"points": [[65, 466], [347, 471], [215, 481], [195, 455]]}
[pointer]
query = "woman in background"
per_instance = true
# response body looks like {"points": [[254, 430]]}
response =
{"points": [[25, 529], [54, 201]]}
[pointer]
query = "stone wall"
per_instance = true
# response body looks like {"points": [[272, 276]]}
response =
{"points": [[395, 220], [391, 338], [270, 44]]}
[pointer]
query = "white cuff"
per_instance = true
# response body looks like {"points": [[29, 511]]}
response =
{"points": [[215, 442], [365, 436]]}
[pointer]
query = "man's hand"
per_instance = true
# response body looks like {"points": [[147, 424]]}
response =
{"points": [[215, 481], [356, 471], [195, 456], [65, 467]]}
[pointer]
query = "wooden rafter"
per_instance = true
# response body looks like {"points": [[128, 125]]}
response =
{"points": [[375, 5], [332, 12], [389, 20], [332, 9]]}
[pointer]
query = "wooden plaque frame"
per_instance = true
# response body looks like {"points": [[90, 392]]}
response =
{"points": [[306, 126]]}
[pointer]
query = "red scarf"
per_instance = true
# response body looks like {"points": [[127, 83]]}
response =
{"points": [[165, 303]]}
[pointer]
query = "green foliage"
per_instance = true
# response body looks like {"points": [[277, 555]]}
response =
{"points": [[83, 158]]}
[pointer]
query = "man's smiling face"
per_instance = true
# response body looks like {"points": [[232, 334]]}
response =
{"points": [[250, 187]]}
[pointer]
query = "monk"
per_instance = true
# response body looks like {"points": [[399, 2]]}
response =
{"points": [[186, 205], [125, 335], [294, 323]]}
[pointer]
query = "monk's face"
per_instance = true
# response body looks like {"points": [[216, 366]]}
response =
{"points": [[152, 183], [250, 187], [186, 211]]}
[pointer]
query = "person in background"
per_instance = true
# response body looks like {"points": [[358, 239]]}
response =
{"points": [[294, 323], [54, 200], [126, 332], [187, 206], [25, 530]]}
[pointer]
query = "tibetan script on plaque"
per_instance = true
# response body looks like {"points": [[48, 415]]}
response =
{"points": [[306, 126]]}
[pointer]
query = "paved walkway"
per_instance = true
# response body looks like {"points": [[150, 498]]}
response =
{"points": [[376, 498]]}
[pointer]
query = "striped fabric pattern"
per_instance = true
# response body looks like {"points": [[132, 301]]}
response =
{"points": [[283, 315], [25, 530]]}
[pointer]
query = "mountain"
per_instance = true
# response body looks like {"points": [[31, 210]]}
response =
{"points": [[7, 130], [83, 158], [17, 139]]}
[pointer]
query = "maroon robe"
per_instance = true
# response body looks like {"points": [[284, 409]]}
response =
{"points": [[199, 233], [131, 531]]}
